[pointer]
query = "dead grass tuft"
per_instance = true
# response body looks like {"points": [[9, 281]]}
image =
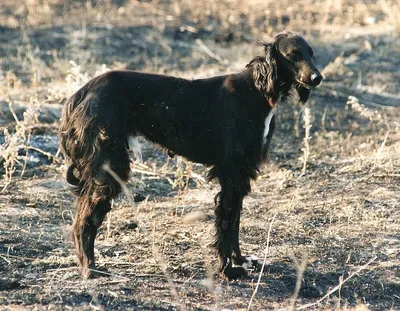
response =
{"points": [[307, 137], [15, 149]]}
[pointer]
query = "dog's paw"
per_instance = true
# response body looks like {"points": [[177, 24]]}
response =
{"points": [[94, 273], [233, 273], [249, 263]]}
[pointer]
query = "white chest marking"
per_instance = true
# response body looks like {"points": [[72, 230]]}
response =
{"points": [[266, 125], [135, 147]]}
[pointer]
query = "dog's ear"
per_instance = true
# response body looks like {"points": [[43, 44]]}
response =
{"points": [[265, 70], [272, 72]]}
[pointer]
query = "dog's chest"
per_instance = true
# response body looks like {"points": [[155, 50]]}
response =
{"points": [[267, 124]]}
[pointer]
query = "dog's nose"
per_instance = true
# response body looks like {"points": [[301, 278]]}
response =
{"points": [[316, 79]]}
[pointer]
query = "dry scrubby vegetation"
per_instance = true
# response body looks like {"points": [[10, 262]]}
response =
{"points": [[324, 213]]}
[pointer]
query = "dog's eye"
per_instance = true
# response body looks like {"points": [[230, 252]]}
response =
{"points": [[294, 55]]}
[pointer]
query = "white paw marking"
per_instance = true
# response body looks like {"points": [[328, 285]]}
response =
{"points": [[252, 257], [135, 147], [248, 264]]}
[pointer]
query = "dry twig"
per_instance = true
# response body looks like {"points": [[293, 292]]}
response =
{"points": [[263, 265]]}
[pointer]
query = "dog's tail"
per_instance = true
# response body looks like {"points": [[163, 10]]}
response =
{"points": [[78, 148], [93, 133]]}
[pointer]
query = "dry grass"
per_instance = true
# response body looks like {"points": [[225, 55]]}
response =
{"points": [[307, 136], [18, 141]]}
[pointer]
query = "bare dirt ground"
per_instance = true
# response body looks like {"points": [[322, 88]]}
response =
{"points": [[339, 218]]}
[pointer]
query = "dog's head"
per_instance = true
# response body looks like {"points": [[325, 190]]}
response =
{"points": [[288, 61], [295, 62]]}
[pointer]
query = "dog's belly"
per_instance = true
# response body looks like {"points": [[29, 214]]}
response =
{"points": [[197, 151], [196, 148]]}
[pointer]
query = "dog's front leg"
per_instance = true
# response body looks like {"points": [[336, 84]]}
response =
{"points": [[247, 262], [228, 207]]}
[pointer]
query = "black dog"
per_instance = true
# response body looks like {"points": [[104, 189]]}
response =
{"points": [[224, 122]]}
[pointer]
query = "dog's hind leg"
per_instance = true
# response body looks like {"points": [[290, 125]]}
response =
{"points": [[95, 201], [229, 202], [238, 259], [89, 216]]}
